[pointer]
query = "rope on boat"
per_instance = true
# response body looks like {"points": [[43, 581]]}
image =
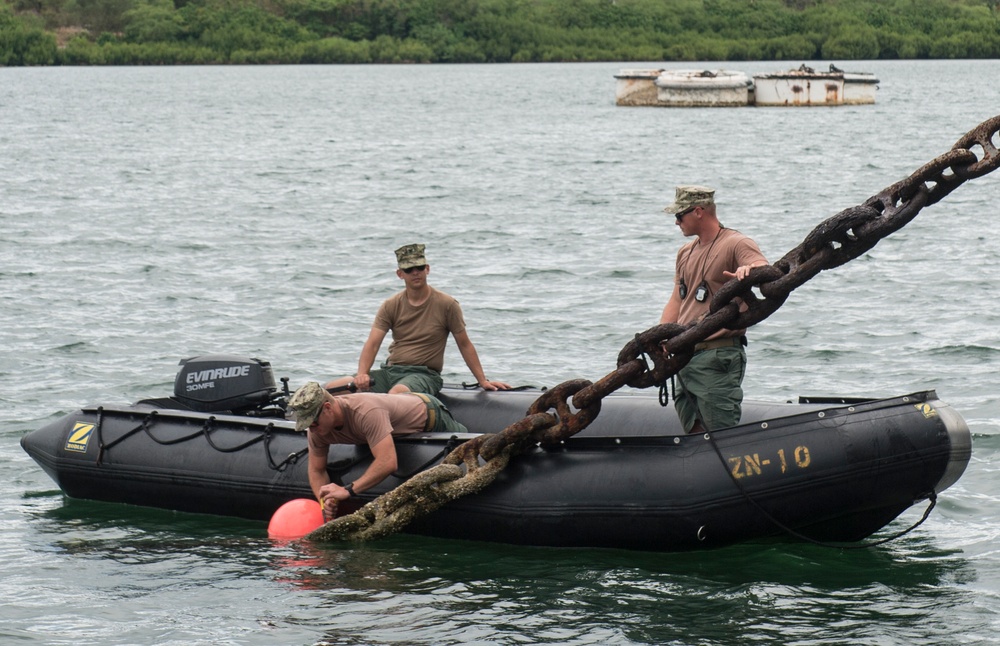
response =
{"points": [[205, 431], [834, 242]]}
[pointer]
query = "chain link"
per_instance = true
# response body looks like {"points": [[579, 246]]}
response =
{"points": [[552, 418]]}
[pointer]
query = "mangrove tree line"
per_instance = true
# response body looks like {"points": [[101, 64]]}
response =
{"points": [[165, 32]]}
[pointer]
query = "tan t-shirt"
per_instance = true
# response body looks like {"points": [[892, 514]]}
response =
{"points": [[419, 334], [369, 418], [698, 262]]}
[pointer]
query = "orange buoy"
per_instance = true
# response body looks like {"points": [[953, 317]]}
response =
{"points": [[295, 519]]}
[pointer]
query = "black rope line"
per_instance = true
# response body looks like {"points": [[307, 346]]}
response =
{"points": [[665, 392], [467, 386], [448, 448], [205, 431], [100, 440], [106, 447]]}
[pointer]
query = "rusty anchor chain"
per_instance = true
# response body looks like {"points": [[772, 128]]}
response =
{"points": [[568, 408]]}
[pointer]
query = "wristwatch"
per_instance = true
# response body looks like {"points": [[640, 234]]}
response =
{"points": [[350, 488]]}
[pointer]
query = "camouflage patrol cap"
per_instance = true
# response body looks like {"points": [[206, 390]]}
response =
{"points": [[410, 255], [688, 196], [305, 404]]}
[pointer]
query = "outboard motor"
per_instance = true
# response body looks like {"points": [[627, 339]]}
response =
{"points": [[224, 382]]}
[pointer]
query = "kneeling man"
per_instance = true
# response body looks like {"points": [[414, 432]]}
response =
{"points": [[361, 418]]}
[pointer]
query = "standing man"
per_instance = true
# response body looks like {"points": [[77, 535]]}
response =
{"points": [[710, 395], [420, 318], [361, 418]]}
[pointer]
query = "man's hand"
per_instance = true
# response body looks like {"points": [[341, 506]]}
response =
{"points": [[329, 506], [741, 272], [363, 381], [486, 384], [333, 492]]}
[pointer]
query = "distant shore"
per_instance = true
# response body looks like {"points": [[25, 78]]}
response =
{"points": [[179, 32]]}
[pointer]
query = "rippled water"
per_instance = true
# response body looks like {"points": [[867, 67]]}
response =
{"points": [[155, 214]]}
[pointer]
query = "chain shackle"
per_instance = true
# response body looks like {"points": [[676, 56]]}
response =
{"points": [[519, 435], [609, 383], [753, 309], [983, 137], [569, 422]]}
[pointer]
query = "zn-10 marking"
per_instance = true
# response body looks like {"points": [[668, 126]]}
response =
{"points": [[744, 466]]}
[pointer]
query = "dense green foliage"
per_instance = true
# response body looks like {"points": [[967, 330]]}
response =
{"points": [[154, 32]]}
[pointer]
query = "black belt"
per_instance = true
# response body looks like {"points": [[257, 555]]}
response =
{"points": [[724, 342]]}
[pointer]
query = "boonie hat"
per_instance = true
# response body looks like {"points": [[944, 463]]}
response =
{"points": [[305, 405], [688, 196], [410, 255]]}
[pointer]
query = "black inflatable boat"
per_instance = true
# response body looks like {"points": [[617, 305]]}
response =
{"points": [[829, 469]]}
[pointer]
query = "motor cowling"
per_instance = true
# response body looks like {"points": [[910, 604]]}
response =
{"points": [[224, 382]]}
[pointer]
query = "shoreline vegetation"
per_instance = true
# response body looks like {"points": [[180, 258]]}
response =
{"points": [[211, 32]]}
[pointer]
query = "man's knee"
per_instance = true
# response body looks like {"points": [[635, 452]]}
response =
{"points": [[398, 389]]}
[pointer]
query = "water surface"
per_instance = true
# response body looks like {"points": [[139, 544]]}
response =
{"points": [[151, 214]]}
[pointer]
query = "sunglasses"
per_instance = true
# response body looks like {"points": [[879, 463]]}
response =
{"points": [[680, 216], [410, 270], [319, 414]]}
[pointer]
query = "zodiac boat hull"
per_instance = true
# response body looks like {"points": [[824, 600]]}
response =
{"points": [[829, 471]]}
